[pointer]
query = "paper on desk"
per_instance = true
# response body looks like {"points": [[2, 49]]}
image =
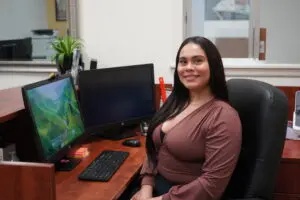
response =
{"points": [[292, 134]]}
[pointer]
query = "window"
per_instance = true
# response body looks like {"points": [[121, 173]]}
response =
{"points": [[230, 24], [227, 10]]}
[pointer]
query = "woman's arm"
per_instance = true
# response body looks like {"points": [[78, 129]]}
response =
{"points": [[223, 143], [148, 173]]}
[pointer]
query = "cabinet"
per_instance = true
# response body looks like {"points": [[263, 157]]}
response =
{"points": [[288, 180]]}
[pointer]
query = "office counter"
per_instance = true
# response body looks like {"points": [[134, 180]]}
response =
{"points": [[13, 123], [18, 73], [26, 63], [36, 181], [68, 187], [11, 103]]}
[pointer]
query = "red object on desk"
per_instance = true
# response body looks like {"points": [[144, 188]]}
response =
{"points": [[80, 153], [162, 89]]}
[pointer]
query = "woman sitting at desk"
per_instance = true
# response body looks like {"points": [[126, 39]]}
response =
{"points": [[194, 140]]}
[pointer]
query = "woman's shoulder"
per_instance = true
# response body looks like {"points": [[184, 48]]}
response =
{"points": [[225, 117], [224, 112], [224, 107]]}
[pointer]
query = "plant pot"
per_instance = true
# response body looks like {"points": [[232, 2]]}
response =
{"points": [[66, 65]]}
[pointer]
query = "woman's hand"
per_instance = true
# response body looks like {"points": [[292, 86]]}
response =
{"points": [[144, 193], [136, 196], [155, 198]]}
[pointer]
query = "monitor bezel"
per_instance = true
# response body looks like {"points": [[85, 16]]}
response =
{"points": [[37, 140], [124, 123]]}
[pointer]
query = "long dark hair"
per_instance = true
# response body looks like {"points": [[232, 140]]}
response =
{"points": [[180, 94]]}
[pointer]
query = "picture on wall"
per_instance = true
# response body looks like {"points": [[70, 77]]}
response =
{"points": [[61, 10]]}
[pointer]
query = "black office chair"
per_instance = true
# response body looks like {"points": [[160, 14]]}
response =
{"points": [[263, 111]]}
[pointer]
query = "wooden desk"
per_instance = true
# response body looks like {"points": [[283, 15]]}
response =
{"points": [[11, 107], [67, 184], [288, 181], [69, 187]]}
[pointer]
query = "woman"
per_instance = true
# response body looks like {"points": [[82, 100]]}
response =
{"points": [[194, 140]]}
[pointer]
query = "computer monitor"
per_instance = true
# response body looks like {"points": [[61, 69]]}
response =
{"points": [[56, 119], [113, 99], [18, 49]]}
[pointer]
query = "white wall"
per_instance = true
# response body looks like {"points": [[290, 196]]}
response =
{"points": [[132, 32], [139, 31], [281, 18], [19, 17]]}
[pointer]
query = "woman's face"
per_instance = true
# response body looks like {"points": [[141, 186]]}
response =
{"points": [[193, 68]]}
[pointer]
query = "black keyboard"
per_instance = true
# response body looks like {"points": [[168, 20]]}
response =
{"points": [[104, 166]]}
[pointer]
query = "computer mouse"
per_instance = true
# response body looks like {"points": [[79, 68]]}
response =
{"points": [[132, 143]]}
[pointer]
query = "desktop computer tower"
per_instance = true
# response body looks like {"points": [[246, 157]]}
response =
{"points": [[24, 138], [19, 49], [18, 134]]}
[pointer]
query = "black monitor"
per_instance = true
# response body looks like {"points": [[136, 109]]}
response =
{"points": [[55, 114], [18, 49], [113, 99]]}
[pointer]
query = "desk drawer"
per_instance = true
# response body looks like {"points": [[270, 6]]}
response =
{"points": [[288, 180], [286, 197]]}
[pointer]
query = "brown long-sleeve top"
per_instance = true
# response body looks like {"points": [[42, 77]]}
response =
{"points": [[198, 154]]}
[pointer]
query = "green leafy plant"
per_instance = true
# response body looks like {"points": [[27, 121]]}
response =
{"points": [[64, 46]]}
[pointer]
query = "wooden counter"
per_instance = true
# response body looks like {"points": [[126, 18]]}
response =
{"points": [[11, 102]]}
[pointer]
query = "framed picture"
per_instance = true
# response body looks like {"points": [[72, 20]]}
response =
{"points": [[61, 10]]}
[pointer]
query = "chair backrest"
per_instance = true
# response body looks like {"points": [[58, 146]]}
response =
{"points": [[27, 181], [263, 110]]}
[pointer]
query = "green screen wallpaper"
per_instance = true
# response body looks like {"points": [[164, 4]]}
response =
{"points": [[56, 114]]}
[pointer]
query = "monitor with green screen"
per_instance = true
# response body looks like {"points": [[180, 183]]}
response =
{"points": [[55, 113]]}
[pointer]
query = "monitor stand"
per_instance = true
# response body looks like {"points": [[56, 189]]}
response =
{"points": [[67, 164], [117, 133]]}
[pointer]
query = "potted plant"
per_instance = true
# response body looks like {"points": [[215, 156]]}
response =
{"points": [[64, 47]]}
